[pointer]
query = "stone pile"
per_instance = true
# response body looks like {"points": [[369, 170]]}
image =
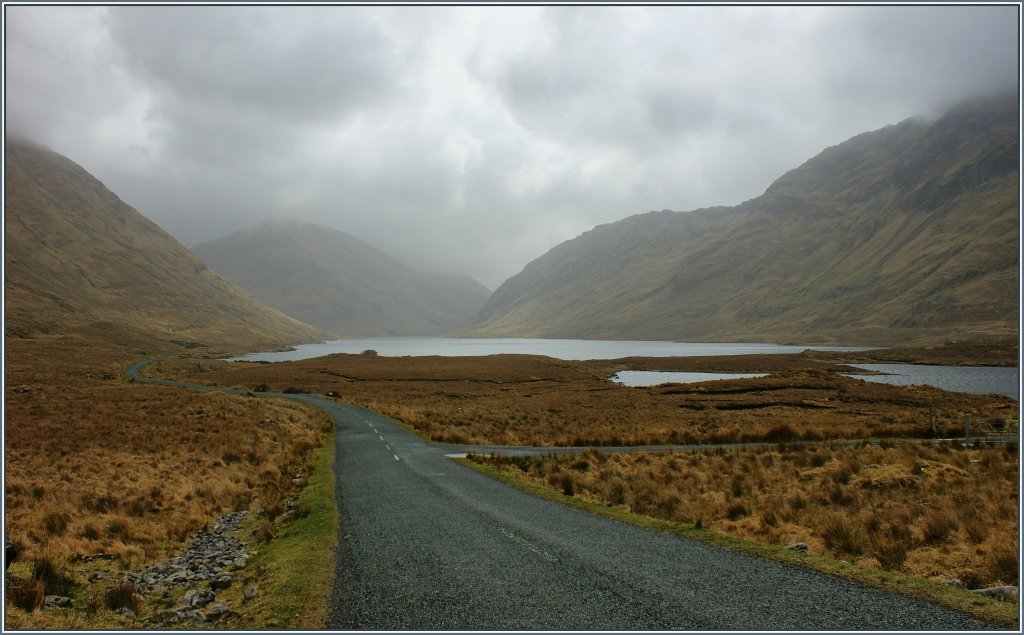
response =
{"points": [[209, 557]]}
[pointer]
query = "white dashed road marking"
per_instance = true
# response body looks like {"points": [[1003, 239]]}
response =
{"points": [[529, 545]]}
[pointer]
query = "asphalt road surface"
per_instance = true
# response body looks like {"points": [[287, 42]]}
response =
{"points": [[427, 544]]}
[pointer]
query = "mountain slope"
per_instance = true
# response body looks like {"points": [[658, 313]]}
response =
{"points": [[905, 234], [77, 256], [340, 284]]}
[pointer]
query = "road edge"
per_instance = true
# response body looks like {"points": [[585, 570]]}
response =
{"points": [[979, 607]]}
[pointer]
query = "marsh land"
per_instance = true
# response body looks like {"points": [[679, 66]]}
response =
{"points": [[939, 511]]}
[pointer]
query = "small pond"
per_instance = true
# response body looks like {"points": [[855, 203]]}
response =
{"points": [[982, 380]]}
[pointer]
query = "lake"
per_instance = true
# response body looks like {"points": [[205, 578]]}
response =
{"points": [[560, 349], [982, 380], [637, 378], [974, 379]]}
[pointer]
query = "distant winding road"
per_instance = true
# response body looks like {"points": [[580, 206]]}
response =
{"points": [[427, 544]]}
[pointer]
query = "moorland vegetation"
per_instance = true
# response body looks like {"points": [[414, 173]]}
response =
{"points": [[539, 401]]}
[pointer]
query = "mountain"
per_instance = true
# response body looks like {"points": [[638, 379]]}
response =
{"points": [[76, 256], [340, 284], [905, 234]]}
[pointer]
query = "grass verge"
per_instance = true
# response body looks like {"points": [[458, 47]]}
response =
{"points": [[294, 572], [980, 607]]}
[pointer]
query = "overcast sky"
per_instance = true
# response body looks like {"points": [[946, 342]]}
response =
{"points": [[473, 139]]}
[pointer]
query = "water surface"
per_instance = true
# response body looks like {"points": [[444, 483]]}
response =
{"points": [[982, 380], [560, 349], [635, 378]]}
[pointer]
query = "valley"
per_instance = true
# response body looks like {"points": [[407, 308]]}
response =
{"points": [[338, 465], [340, 284]]}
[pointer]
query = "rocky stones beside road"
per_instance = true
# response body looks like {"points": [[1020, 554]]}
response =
{"points": [[207, 558], [1001, 593], [210, 558]]}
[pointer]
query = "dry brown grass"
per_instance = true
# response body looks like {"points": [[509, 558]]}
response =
{"points": [[993, 353], [528, 400], [97, 464], [910, 508], [130, 469]]}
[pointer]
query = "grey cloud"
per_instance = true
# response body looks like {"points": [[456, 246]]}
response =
{"points": [[282, 63], [472, 139]]}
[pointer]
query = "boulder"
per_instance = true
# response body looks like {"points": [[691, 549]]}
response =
{"points": [[51, 602], [1001, 593], [217, 610], [198, 598], [127, 612], [222, 581], [798, 546]]}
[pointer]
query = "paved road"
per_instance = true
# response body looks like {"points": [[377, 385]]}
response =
{"points": [[428, 544]]}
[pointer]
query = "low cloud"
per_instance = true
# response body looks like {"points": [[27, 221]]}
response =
{"points": [[472, 139]]}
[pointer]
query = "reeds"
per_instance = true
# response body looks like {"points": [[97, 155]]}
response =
{"points": [[933, 511], [133, 470], [523, 400]]}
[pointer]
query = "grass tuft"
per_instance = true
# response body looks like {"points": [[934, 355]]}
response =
{"points": [[120, 595], [938, 525], [843, 536], [27, 595]]}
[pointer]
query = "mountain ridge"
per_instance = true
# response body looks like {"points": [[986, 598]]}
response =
{"points": [[340, 283], [76, 256], [900, 235]]}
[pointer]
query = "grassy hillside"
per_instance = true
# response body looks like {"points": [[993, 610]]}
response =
{"points": [[906, 234], [97, 464], [340, 284], [76, 257]]}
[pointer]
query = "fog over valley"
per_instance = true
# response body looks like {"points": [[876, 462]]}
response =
{"points": [[471, 140], [337, 317]]}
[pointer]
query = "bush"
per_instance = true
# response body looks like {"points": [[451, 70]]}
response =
{"points": [[48, 573], [27, 595], [123, 594], [977, 530], [265, 533], [781, 434], [1003, 564], [939, 524], [891, 555], [564, 481], [369, 353], [736, 511], [120, 529], [56, 522], [843, 536]]}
